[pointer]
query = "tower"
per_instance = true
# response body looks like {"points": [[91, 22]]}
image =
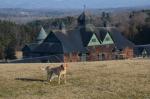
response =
{"points": [[84, 18]]}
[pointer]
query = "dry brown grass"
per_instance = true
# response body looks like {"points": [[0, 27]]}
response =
{"points": [[129, 79]]}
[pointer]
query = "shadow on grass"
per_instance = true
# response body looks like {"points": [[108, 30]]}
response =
{"points": [[53, 83], [30, 79]]}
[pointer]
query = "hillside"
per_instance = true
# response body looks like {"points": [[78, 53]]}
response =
{"points": [[127, 79], [23, 16]]}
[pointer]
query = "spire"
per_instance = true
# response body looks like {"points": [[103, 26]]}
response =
{"points": [[41, 36], [84, 18]]}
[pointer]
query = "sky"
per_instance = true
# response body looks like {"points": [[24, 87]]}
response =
{"points": [[71, 4]]}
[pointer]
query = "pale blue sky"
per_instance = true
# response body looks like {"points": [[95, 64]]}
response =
{"points": [[71, 3]]}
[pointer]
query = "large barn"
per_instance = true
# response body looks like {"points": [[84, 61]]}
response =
{"points": [[84, 43]]}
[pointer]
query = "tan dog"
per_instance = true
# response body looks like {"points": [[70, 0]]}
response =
{"points": [[58, 71]]}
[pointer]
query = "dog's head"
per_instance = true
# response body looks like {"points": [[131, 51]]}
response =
{"points": [[64, 66]]}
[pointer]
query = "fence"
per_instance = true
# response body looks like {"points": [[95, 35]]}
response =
{"points": [[44, 59], [69, 58]]}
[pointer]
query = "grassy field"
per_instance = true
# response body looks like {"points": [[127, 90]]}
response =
{"points": [[127, 79]]}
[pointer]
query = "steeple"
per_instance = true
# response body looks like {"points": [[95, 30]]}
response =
{"points": [[41, 36], [84, 18]]}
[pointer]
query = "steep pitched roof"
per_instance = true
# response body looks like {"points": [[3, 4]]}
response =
{"points": [[71, 42], [41, 35], [50, 45], [101, 33], [86, 32], [120, 41], [59, 42], [52, 38]]}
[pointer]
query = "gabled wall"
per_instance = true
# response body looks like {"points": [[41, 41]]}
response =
{"points": [[94, 41], [108, 39]]}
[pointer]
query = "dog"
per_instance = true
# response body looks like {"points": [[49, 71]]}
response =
{"points": [[56, 71]]}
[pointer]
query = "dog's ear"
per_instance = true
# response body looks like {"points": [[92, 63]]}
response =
{"points": [[62, 66]]}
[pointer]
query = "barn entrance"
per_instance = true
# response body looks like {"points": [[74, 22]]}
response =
{"points": [[101, 56], [83, 57]]}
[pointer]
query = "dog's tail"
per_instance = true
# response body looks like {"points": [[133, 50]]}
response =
{"points": [[43, 68]]}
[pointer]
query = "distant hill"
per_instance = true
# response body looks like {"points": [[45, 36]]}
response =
{"points": [[20, 15], [26, 15]]}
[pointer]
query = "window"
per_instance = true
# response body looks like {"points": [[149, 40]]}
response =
{"points": [[101, 56], [83, 57], [107, 39], [93, 40]]}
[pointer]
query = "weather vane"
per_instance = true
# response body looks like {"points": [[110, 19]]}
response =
{"points": [[84, 7]]}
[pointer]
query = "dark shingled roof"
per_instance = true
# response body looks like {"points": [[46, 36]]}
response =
{"points": [[62, 43], [50, 45], [52, 38], [49, 48], [86, 35], [71, 41], [101, 34], [86, 32], [30, 47], [120, 41]]}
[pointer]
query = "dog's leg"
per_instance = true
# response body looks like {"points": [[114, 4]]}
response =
{"points": [[64, 78], [50, 76], [59, 77]]}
